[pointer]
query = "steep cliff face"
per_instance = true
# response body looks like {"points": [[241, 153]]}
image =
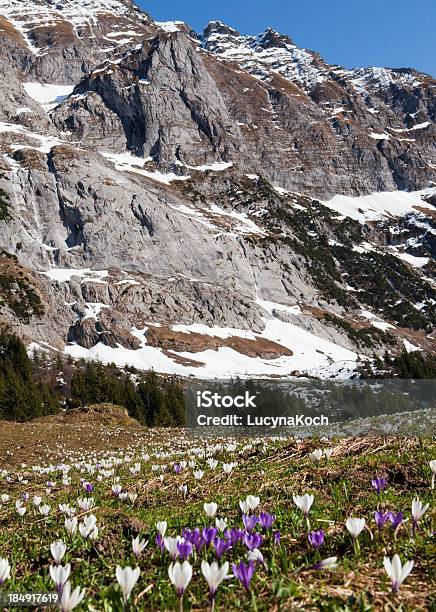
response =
{"points": [[160, 187]]}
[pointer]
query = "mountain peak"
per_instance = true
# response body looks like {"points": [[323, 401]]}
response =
{"points": [[218, 27], [270, 38]]}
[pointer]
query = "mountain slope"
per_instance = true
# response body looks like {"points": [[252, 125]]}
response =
{"points": [[202, 203]]}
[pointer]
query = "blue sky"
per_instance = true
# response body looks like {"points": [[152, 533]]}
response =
{"points": [[395, 33]]}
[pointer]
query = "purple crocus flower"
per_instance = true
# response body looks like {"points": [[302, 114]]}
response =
{"points": [[235, 535], [396, 519], [250, 522], [380, 518], [316, 538], [177, 468], [194, 536], [209, 534], [89, 487], [244, 572], [277, 538], [160, 542], [221, 546], [252, 540], [266, 520], [185, 549], [379, 484]]}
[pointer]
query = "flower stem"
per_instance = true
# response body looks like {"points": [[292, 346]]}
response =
{"points": [[356, 546]]}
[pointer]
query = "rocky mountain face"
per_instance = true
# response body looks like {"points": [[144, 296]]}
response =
{"points": [[209, 204]]}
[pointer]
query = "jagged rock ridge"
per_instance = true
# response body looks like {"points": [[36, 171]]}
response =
{"points": [[183, 168]]}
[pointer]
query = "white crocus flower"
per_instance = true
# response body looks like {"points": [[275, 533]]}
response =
{"points": [[221, 524], [228, 468], [255, 555], [60, 574], [58, 550], [245, 509], [36, 500], [316, 455], [44, 509], [5, 498], [355, 526], [85, 503], [396, 571], [161, 526], [304, 502], [328, 453], [180, 575], [71, 600], [5, 570], [210, 509], [71, 525], [171, 546], [138, 546], [418, 510], [198, 475], [252, 501], [329, 563], [89, 529], [127, 578], [214, 575], [433, 469]]}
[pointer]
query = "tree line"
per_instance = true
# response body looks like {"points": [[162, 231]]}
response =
{"points": [[39, 385]]}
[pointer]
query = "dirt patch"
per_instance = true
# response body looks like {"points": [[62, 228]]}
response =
{"points": [[321, 314], [165, 338], [9, 31], [102, 427], [428, 212], [103, 414], [184, 361]]}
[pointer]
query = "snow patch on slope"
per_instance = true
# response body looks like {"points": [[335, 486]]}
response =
{"points": [[311, 354], [126, 162], [63, 275], [49, 95], [169, 26], [376, 206], [46, 143], [381, 78]]}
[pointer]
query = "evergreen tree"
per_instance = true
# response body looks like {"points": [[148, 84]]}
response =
{"points": [[22, 397]]}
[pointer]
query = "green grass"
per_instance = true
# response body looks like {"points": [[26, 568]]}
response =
{"points": [[275, 471]]}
